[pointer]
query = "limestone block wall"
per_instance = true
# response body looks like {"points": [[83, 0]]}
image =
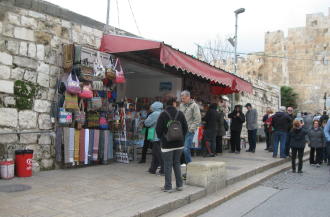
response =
{"points": [[31, 52]]}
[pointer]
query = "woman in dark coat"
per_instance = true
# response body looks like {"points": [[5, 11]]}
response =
{"points": [[315, 138], [210, 130], [221, 131], [237, 119], [297, 144]]}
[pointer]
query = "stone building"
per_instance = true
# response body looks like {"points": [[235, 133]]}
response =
{"points": [[32, 33], [300, 60]]}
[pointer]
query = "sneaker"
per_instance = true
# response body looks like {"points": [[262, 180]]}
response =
{"points": [[179, 188], [160, 174], [300, 171], [184, 176], [318, 165], [312, 165], [166, 190]]}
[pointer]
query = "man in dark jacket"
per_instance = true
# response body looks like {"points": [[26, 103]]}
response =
{"points": [[221, 131], [171, 150], [324, 119], [210, 130], [281, 123], [252, 127], [237, 119], [289, 110]]}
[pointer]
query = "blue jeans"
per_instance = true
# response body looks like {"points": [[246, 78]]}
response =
{"points": [[187, 145], [172, 160], [279, 137], [252, 137]]}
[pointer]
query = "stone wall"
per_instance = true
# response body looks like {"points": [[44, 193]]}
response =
{"points": [[31, 52]]}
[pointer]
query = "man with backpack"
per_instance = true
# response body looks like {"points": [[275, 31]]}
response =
{"points": [[171, 129]]}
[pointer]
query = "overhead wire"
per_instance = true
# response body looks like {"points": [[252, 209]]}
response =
{"points": [[137, 27]]}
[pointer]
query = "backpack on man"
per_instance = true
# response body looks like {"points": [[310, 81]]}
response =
{"points": [[174, 129]]}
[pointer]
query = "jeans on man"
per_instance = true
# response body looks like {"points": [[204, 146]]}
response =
{"points": [[252, 137], [172, 159], [328, 151], [187, 145], [279, 137]]}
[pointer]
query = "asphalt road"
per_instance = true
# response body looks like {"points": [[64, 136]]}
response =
{"points": [[286, 194]]}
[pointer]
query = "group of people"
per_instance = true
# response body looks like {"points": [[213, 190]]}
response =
{"points": [[294, 132]]}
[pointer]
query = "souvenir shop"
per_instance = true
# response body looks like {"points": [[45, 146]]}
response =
{"points": [[103, 96]]}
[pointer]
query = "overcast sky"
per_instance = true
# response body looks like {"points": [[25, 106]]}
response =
{"points": [[182, 23]]}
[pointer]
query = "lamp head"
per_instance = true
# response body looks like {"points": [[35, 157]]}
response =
{"points": [[239, 11]]}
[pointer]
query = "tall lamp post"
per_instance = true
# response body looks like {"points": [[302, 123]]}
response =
{"points": [[233, 42]]}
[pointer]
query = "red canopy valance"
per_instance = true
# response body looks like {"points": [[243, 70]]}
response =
{"points": [[172, 57]]}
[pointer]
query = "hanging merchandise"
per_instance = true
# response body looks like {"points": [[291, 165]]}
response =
{"points": [[86, 146], [93, 120], [120, 77], [65, 117], [110, 72], [96, 145], [77, 60], [99, 70], [76, 146], [86, 71], [71, 101], [98, 85], [68, 144], [79, 115], [103, 122], [82, 146], [72, 85], [95, 103], [86, 92], [197, 139], [68, 57]]}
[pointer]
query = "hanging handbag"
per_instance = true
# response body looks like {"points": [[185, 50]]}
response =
{"points": [[73, 85], [79, 116], [71, 101], [67, 57], [120, 77], [98, 85], [99, 70], [110, 72], [86, 92], [95, 103], [103, 122], [86, 71], [93, 120], [64, 117]]}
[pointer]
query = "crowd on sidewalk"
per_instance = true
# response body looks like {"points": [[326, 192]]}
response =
{"points": [[175, 129]]}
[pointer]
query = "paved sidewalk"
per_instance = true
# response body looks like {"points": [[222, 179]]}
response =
{"points": [[112, 190]]}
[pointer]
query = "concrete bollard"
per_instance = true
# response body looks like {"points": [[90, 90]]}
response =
{"points": [[208, 174]]}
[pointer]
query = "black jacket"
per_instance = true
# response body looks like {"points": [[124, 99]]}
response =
{"points": [[298, 138], [236, 122], [161, 127], [281, 122], [211, 118]]}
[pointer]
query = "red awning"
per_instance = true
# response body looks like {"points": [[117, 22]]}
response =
{"points": [[172, 57]]}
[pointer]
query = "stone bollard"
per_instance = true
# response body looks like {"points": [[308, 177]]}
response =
{"points": [[208, 174]]}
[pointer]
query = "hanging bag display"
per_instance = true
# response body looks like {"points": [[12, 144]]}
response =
{"points": [[110, 72], [68, 57], [79, 116], [95, 103], [93, 120], [98, 85], [86, 71], [99, 70], [71, 101], [120, 77], [103, 122], [73, 85], [64, 117], [86, 92]]}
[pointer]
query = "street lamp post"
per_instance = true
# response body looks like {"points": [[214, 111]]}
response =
{"points": [[237, 12]]}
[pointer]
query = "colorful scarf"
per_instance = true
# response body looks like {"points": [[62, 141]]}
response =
{"points": [[96, 145], [71, 144], [110, 146], [82, 146], [101, 146], [91, 145], [76, 145], [106, 146], [58, 145], [86, 145]]}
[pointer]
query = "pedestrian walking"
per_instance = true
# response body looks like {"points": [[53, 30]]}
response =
{"points": [[315, 139], [252, 127], [308, 121], [221, 130], [210, 121], [327, 138], [324, 118], [172, 148], [192, 114], [146, 143], [297, 144], [237, 119], [281, 123], [289, 111], [151, 123], [267, 125]]}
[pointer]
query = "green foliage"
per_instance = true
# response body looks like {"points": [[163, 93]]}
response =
{"points": [[24, 93], [288, 97]]}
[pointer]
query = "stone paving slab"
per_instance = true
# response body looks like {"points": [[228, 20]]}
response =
{"points": [[113, 190]]}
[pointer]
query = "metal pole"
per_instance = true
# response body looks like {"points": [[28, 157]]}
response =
{"points": [[106, 29], [235, 63]]}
